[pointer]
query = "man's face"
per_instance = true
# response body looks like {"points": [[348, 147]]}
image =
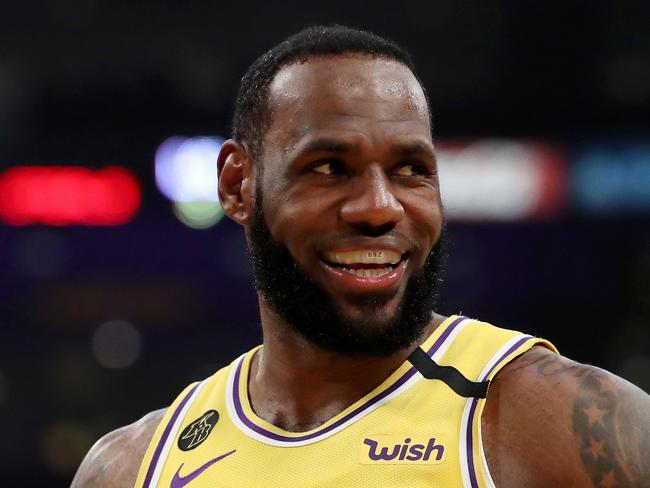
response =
{"points": [[349, 201]]}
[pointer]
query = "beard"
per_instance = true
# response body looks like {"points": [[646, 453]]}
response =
{"points": [[306, 308]]}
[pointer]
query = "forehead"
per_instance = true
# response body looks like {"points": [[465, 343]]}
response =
{"points": [[355, 91]]}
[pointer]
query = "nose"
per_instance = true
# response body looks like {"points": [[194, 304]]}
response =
{"points": [[372, 204]]}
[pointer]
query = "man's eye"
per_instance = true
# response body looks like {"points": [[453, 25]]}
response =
{"points": [[410, 170], [327, 167]]}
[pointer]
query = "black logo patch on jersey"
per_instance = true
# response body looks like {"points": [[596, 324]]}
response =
{"points": [[197, 431]]}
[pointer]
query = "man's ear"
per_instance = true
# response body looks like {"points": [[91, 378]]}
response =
{"points": [[235, 170]]}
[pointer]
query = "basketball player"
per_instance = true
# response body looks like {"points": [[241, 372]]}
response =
{"points": [[331, 172]]}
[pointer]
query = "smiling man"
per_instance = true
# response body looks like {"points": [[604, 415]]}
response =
{"points": [[331, 172]]}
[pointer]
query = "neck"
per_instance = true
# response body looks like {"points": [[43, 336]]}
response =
{"points": [[298, 386]]}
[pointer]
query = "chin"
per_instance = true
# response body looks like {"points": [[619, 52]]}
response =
{"points": [[383, 303], [369, 316]]}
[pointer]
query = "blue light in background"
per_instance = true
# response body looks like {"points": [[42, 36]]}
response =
{"points": [[613, 179]]}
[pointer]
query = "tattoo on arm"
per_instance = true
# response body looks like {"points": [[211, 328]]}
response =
{"points": [[611, 423], [555, 365], [614, 443]]}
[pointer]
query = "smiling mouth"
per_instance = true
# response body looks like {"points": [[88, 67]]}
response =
{"points": [[366, 263]]}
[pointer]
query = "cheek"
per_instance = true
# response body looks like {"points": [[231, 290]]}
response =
{"points": [[297, 221], [426, 218]]}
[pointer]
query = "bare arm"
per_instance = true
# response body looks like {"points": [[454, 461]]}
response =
{"points": [[550, 421], [114, 460]]}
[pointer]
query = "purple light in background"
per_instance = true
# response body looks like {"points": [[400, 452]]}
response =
{"points": [[186, 168]]}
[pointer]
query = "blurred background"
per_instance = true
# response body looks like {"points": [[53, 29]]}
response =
{"points": [[120, 283]]}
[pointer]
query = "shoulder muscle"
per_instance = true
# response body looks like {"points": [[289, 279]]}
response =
{"points": [[115, 459], [567, 423]]}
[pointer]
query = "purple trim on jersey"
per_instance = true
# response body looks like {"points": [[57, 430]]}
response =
{"points": [[472, 411], [163, 438], [470, 446], [278, 437]]}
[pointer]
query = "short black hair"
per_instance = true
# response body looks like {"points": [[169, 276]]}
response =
{"points": [[252, 116]]}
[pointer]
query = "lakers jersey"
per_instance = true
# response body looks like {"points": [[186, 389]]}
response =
{"points": [[409, 431]]}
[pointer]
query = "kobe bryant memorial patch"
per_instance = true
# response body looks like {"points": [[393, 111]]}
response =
{"points": [[197, 431]]}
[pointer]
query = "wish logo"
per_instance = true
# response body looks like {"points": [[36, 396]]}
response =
{"points": [[197, 431], [390, 449]]}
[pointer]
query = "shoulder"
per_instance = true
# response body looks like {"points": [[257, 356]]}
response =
{"points": [[114, 460], [563, 423]]}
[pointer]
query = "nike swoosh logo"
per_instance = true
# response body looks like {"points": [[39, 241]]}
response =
{"points": [[179, 481]]}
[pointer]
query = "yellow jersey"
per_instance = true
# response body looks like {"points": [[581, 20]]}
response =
{"points": [[409, 431]]}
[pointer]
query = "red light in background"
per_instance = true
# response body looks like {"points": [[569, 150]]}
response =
{"points": [[553, 180], [68, 195]]}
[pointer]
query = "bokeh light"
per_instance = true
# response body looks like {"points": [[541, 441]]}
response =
{"points": [[116, 344], [198, 215], [613, 178], [63, 445], [186, 173], [68, 195], [500, 180]]}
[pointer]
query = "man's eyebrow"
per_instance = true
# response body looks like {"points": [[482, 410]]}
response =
{"points": [[326, 145], [402, 150], [414, 149]]}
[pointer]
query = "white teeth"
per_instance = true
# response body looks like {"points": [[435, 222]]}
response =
{"points": [[364, 256], [368, 273]]}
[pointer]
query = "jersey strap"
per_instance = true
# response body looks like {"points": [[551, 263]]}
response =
{"points": [[448, 374]]}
